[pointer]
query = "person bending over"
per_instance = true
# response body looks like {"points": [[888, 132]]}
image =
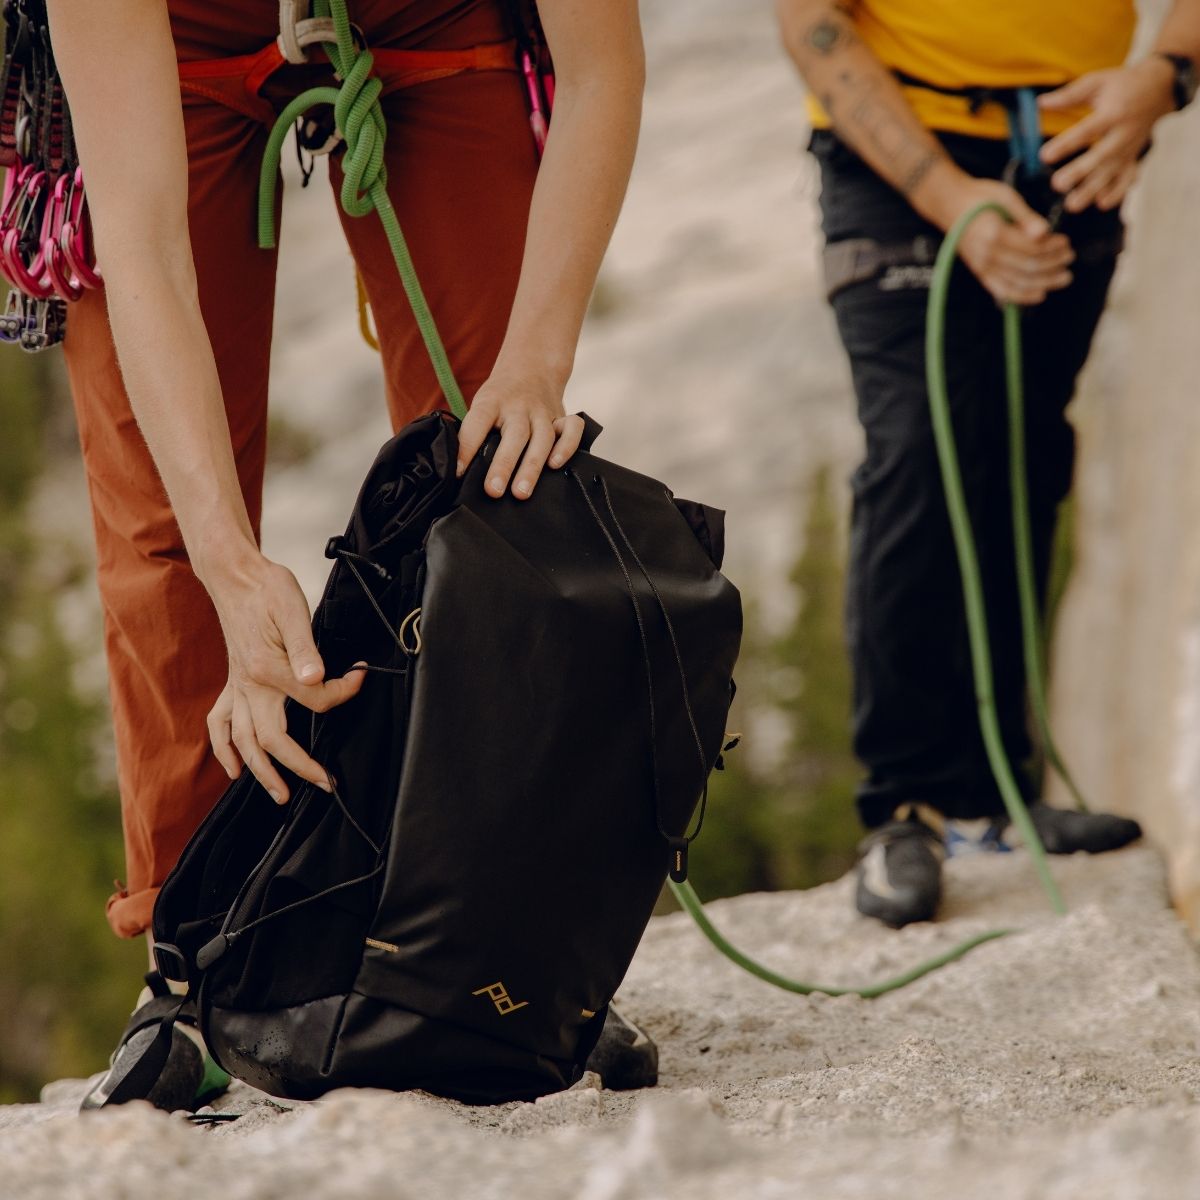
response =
{"points": [[205, 636]]}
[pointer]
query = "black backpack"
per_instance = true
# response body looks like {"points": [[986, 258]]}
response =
{"points": [[549, 691]]}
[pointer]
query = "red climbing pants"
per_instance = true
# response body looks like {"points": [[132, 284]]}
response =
{"points": [[461, 165]]}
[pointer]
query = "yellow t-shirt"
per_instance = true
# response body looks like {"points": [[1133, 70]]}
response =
{"points": [[972, 43]]}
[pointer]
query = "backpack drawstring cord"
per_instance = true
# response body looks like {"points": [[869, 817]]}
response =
{"points": [[678, 845]]}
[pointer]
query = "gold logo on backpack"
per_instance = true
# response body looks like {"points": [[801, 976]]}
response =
{"points": [[497, 993]]}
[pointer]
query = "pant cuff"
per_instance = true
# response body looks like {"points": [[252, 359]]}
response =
{"points": [[876, 806]]}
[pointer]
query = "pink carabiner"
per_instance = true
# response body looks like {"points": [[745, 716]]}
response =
{"points": [[66, 286], [14, 180], [39, 196], [537, 115], [28, 277], [56, 211], [36, 287], [75, 240], [14, 192]]}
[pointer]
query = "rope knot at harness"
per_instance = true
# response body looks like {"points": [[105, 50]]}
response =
{"points": [[361, 123]]}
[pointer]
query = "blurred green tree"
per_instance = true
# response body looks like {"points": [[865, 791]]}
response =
{"points": [[66, 984], [792, 823], [817, 779]]}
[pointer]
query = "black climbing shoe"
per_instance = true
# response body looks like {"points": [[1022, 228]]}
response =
{"points": [[189, 1078], [624, 1057], [900, 872], [1064, 831]]}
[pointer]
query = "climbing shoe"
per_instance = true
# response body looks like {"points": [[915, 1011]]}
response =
{"points": [[1065, 831], [189, 1078], [900, 871], [624, 1057]]}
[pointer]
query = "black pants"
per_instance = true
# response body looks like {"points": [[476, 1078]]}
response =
{"points": [[915, 725]]}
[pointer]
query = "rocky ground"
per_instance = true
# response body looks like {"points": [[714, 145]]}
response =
{"points": [[1060, 1063]]}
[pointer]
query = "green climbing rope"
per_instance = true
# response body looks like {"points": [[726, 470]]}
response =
{"points": [[960, 523], [1032, 640], [360, 120], [977, 629], [687, 897]]}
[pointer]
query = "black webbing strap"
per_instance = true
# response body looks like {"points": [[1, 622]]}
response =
{"points": [[857, 260], [976, 97], [138, 1082]]}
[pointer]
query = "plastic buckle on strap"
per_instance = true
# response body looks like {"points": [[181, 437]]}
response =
{"points": [[170, 962]]}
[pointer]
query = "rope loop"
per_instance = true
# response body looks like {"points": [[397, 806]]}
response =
{"points": [[361, 122]]}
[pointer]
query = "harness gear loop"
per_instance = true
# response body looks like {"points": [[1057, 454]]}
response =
{"points": [[291, 13], [857, 260], [361, 122], [364, 311], [298, 31]]}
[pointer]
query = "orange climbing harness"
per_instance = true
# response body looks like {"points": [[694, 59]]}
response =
{"points": [[238, 82]]}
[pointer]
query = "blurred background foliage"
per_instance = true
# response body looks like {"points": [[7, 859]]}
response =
{"points": [[785, 818], [66, 983], [777, 820]]}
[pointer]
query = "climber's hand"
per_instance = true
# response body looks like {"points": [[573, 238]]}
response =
{"points": [[1019, 261], [528, 411], [1125, 103], [272, 656]]}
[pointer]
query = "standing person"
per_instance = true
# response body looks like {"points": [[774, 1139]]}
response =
{"points": [[169, 365], [918, 109]]}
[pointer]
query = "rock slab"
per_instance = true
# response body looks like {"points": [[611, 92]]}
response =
{"points": [[1059, 1063]]}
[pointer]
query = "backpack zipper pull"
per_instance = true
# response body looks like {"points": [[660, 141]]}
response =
{"points": [[214, 949], [679, 859]]}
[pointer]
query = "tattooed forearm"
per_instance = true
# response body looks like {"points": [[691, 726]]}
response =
{"points": [[833, 30], [829, 34], [917, 172], [861, 97], [903, 151]]}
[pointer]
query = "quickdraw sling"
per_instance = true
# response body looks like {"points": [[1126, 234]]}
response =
{"points": [[45, 243]]}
